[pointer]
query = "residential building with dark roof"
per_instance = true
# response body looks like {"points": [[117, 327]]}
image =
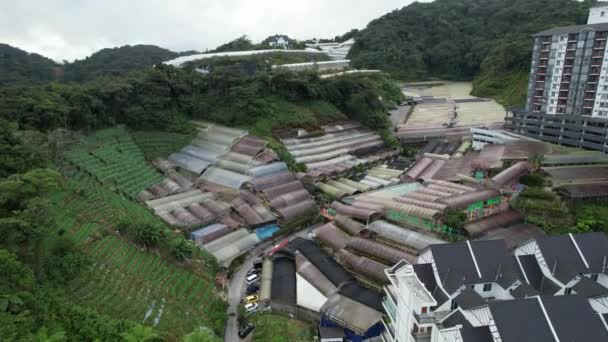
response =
{"points": [[567, 100], [482, 291]]}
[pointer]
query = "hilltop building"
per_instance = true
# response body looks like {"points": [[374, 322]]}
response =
{"points": [[567, 99]]}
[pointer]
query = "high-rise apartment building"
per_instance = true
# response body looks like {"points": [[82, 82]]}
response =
{"points": [[567, 99]]}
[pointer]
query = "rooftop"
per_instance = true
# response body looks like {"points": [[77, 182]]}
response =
{"points": [[573, 29]]}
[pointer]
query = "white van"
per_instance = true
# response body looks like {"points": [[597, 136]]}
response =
{"points": [[254, 278]]}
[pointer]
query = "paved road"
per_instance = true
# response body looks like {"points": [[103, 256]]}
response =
{"points": [[236, 288], [398, 115]]}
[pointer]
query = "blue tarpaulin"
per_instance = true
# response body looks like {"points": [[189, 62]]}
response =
{"points": [[266, 232]]}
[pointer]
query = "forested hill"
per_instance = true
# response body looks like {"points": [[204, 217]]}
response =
{"points": [[483, 40], [17, 65], [118, 60]]}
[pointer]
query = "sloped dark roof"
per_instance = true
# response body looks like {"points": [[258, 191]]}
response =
{"points": [[476, 334], [363, 295], [284, 280], [456, 318], [589, 288], [587, 190], [594, 247], [534, 274], [335, 273], [469, 299], [425, 274], [573, 29], [564, 260], [523, 320], [524, 290], [456, 266]]}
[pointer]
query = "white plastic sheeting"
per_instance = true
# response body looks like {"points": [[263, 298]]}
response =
{"points": [[178, 62], [225, 178], [403, 235], [308, 296], [187, 162], [178, 201]]}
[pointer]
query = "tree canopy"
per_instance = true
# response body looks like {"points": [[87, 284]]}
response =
{"points": [[485, 40]]}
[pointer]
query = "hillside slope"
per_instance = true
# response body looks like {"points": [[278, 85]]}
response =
{"points": [[485, 40], [17, 66], [117, 60]]}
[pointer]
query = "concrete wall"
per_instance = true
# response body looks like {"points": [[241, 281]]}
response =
{"points": [[598, 15]]}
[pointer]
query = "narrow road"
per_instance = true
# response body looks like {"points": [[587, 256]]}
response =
{"points": [[236, 289], [398, 115]]}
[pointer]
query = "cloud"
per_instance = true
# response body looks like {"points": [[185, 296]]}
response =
{"points": [[74, 29]]}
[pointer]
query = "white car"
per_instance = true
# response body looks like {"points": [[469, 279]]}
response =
{"points": [[251, 279], [251, 307]]}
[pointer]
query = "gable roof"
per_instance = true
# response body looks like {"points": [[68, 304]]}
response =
{"points": [[484, 262], [589, 288], [571, 318], [476, 334], [425, 274], [565, 261], [469, 299], [532, 272]]}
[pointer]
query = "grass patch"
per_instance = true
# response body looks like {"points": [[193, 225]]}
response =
{"points": [[278, 328]]}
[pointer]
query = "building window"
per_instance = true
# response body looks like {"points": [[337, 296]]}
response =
{"points": [[454, 305], [487, 287], [594, 277], [602, 14], [568, 290]]}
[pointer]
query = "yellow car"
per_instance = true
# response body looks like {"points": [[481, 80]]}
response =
{"points": [[251, 299]]}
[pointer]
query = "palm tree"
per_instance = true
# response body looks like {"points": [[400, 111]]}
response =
{"points": [[140, 333]]}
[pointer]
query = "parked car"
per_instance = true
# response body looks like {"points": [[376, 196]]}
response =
{"points": [[254, 271], [251, 307], [252, 289], [252, 279], [246, 330], [251, 299]]}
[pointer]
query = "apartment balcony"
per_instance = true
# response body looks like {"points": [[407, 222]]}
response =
{"points": [[597, 55], [433, 317], [550, 138], [592, 145], [551, 131], [599, 47], [389, 328], [570, 55], [541, 73], [571, 135], [571, 142], [598, 130]]}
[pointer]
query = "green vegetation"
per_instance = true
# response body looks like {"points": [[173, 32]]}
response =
{"points": [[118, 60], [261, 62], [278, 328], [113, 157], [18, 66], [485, 40], [156, 144]]}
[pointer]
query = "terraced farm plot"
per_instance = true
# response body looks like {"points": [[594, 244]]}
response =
{"points": [[160, 144], [131, 284], [123, 281], [112, 156]]}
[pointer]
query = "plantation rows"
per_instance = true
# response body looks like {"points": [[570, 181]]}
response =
{"points": [[112, 156], [137, 285], [160, 144]]}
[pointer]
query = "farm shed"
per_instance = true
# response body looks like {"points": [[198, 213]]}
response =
{"points": [[224, 177], [404, 236], [372, 248], [330, 235], [512, 173], [266, 283], [503, 219], [364, 266]]}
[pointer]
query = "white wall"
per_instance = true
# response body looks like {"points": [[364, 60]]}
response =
{"points": [[556, 77], [308, 296], [598, 15]]}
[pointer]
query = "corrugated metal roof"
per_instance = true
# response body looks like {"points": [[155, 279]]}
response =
{"points": [[224, 177], [404, 236], [512, 173], [462, 201]]}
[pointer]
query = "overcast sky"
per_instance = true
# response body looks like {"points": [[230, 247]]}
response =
{"points": [[74, 29]]}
